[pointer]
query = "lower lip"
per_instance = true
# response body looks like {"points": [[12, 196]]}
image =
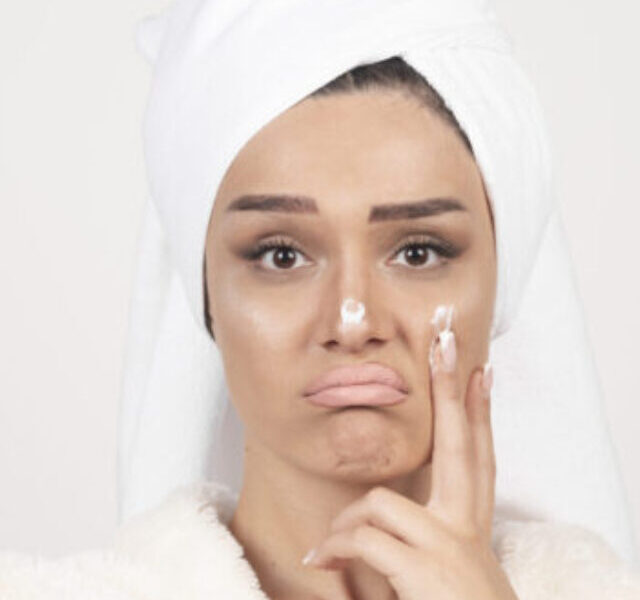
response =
{"points": [[370, 394]]}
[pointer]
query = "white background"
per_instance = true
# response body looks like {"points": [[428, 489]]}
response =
{"points": [[72, 186]]}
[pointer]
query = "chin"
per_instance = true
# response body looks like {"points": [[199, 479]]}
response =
{"points": [[378, 467]]}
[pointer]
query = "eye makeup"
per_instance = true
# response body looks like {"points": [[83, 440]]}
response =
{"points": [[256, 252], [444, 248]]}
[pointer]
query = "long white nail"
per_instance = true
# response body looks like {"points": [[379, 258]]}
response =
{"points": [[308, 556], [448, 349], [487, 378], [441, 320]]}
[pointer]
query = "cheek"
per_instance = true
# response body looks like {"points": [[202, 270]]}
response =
{"points": [[251, 318], [258, 338], [472, 299]]}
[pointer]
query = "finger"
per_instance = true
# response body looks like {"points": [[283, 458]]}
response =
{"points": [[453, 479], [478, 409], [381, 551], [397, 515]]}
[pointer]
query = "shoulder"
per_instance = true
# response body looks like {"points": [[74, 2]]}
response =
{"points": [[180, 547], [554, 560]]}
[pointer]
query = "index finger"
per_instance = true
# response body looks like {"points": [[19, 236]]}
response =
{"points": [[479, 411], [452, 474]]}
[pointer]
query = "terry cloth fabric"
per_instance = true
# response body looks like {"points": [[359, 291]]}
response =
{"points": [[222, 69], [184, 549]]}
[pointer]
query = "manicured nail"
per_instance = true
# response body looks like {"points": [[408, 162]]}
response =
{"points": [[432, 353], [448, 349], [444, 342], [436, 358], [309, 556], [487, 378]]}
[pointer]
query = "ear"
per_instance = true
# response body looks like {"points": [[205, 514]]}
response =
{"points": [[149, 32]]}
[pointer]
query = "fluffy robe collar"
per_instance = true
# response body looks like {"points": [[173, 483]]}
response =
{"points": [[187, 538], [183, 549]]}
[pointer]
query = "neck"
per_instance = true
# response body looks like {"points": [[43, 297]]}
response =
{"points": [[283, 512]]}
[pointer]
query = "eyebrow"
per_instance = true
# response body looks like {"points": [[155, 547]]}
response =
{"points": [[382, 212]]}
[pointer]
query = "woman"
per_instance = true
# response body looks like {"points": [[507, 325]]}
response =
{"points": [[353, 230], [392, 486], [394, 215]]}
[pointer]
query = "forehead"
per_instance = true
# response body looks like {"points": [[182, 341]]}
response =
{"points": [[364, 148]]}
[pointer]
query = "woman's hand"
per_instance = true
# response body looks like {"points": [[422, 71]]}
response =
{"points": [[441, 550]]}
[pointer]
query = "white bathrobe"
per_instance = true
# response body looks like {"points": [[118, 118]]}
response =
{"points": [[183, 550]]}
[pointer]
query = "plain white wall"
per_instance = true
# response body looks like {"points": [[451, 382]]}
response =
{"points": [[72, 186]]}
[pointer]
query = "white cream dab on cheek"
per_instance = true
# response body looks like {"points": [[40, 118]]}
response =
{"points": [[351, 311], [442, 317]]}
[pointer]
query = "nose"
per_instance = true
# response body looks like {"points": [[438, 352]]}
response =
{"points": [[354, 326], [351, 311], [354, 315]]}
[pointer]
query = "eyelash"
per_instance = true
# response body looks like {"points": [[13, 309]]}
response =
{"points": [[444, 249]]}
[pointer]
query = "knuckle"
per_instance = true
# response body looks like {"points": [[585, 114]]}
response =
{"points": [[361, 536], [377, 497], [463, 533], [448, 390], [472, 538], [462, 547], [457, 446]]}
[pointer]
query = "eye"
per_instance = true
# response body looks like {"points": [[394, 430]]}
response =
{"points": [[418, 251], [283, 252]]}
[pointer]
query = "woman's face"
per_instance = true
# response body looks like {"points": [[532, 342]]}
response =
{"points": [[276, 315]]}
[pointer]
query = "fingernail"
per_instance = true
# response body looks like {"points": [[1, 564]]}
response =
{"points": [[432, 353], [487, 378], [448, 349], [309, 556], [444, 342]]}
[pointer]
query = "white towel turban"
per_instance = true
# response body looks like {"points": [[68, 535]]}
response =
{"points": [[222, 69]]}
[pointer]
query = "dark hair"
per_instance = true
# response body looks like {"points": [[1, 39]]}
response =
{"points": [[391, 73]]}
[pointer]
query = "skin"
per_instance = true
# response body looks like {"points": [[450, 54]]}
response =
{"points": [[277, 324]]}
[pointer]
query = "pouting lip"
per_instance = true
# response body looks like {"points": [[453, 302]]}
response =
{"points": [[369, 372]]}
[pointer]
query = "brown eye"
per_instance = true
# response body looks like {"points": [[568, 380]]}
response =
{"points": [[421, 255], [416, 255], [283, 251], [284, 256]]}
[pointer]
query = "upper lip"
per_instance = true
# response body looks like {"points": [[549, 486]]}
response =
{"points": [[370, 372]]}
